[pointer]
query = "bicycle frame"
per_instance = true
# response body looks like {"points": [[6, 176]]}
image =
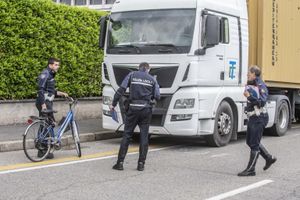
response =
{"points": [[56, 137], [62, 128]]}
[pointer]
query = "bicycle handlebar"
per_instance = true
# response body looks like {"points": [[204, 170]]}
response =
{"points": [[71, 100]]}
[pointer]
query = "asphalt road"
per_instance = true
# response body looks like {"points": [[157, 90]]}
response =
{"points": [[176, 168]]}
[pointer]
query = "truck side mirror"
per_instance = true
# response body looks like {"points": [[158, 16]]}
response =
{"points": [[211, 31], [102, 34], [210, 36]]}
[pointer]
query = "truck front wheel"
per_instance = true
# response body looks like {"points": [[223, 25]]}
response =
{"points": [[224, 126], [283, 119]]}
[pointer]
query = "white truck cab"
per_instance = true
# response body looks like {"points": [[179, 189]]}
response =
{"points": [[198, 52]]}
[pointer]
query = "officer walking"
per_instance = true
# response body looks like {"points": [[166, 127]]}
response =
{"points": [[143, 88], [258, 119], [46, 92]]}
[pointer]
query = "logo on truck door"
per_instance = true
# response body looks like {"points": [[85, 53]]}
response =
{"points": [[232, 69]]}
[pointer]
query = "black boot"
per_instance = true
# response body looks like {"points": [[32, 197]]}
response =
{"points": [[118, 166], [50, 156], [250, 170], [40, 154], [268, 157], [141, 166]]}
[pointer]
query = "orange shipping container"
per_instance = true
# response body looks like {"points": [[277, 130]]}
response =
{"points": [[274, 28]]}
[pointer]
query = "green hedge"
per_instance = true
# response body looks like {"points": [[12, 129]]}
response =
{"points": [[31, 31]]}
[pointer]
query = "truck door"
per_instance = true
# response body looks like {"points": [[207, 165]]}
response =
{"points": [[230, 39], [212, 60]]}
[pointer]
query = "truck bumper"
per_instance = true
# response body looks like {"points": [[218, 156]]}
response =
{"points": [[162, 121]]}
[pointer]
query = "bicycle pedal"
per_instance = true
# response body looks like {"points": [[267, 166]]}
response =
{"points": [[57, 146]]}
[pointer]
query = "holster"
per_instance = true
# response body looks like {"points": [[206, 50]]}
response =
{"points": [[126, 104]]}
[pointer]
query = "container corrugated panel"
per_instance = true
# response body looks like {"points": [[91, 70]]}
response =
{"points": [[274, 27]]}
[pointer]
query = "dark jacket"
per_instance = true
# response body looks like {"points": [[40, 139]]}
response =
{"points": [[263, 96], [46, 85], [142, 89]]}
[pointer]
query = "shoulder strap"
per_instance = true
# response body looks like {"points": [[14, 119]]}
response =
{"points": [[130, 79]]}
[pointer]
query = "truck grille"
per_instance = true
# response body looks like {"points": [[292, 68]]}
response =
{"points": [[159, 111], [164, 75]]}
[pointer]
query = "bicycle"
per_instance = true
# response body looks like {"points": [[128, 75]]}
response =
{"points": [[40, 134]]}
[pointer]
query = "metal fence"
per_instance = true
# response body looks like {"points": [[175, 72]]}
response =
{"points": [[93, 4]]}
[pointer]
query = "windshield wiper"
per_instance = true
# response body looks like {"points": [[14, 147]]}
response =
{"points": [[163, 45], [138, 49]]}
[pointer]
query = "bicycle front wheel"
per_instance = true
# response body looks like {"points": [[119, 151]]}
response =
{"points": [[75, 135], [37, 141]]}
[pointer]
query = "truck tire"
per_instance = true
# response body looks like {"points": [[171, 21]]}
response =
{"points": [[283, 119], [224, 126]]}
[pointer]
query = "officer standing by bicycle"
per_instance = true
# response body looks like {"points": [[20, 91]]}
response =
{"points": [[258, 119], [46, 91], [143, 88]]}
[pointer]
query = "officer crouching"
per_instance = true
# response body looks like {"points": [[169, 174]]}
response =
{"points": [[256, 93], [143, 88]]}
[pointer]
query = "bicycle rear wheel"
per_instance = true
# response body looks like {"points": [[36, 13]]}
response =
{"points": [[37, 141], [75, 135]]}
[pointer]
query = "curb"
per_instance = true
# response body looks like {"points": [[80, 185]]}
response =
{"points": [[17, 145]]}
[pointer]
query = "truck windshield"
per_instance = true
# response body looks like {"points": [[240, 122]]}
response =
{"points": [[151, 32]]}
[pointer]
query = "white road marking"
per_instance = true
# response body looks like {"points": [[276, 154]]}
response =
{"points": [[77, 161], [219, 155], [241, 190], [295, 135], [295, 127], [204, 153]]}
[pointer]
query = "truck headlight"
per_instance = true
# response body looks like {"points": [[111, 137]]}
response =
{"points": [[107, 100], [181, 117], [184, 103], [107, 113]]}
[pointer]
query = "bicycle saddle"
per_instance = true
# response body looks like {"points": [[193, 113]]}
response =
{"points": [[47, 111]]}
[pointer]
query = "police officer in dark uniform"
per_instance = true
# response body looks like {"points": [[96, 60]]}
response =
{"points": [[143, 89], [47, 92], [258, 119]]}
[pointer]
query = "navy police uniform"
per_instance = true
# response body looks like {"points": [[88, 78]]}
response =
{"points": [[258, 119], [256, 123], [143, 88], [46, 90]]}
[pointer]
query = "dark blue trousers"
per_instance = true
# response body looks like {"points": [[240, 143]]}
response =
{"points": [[49, 105], [134, 117], [255, 129]]}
